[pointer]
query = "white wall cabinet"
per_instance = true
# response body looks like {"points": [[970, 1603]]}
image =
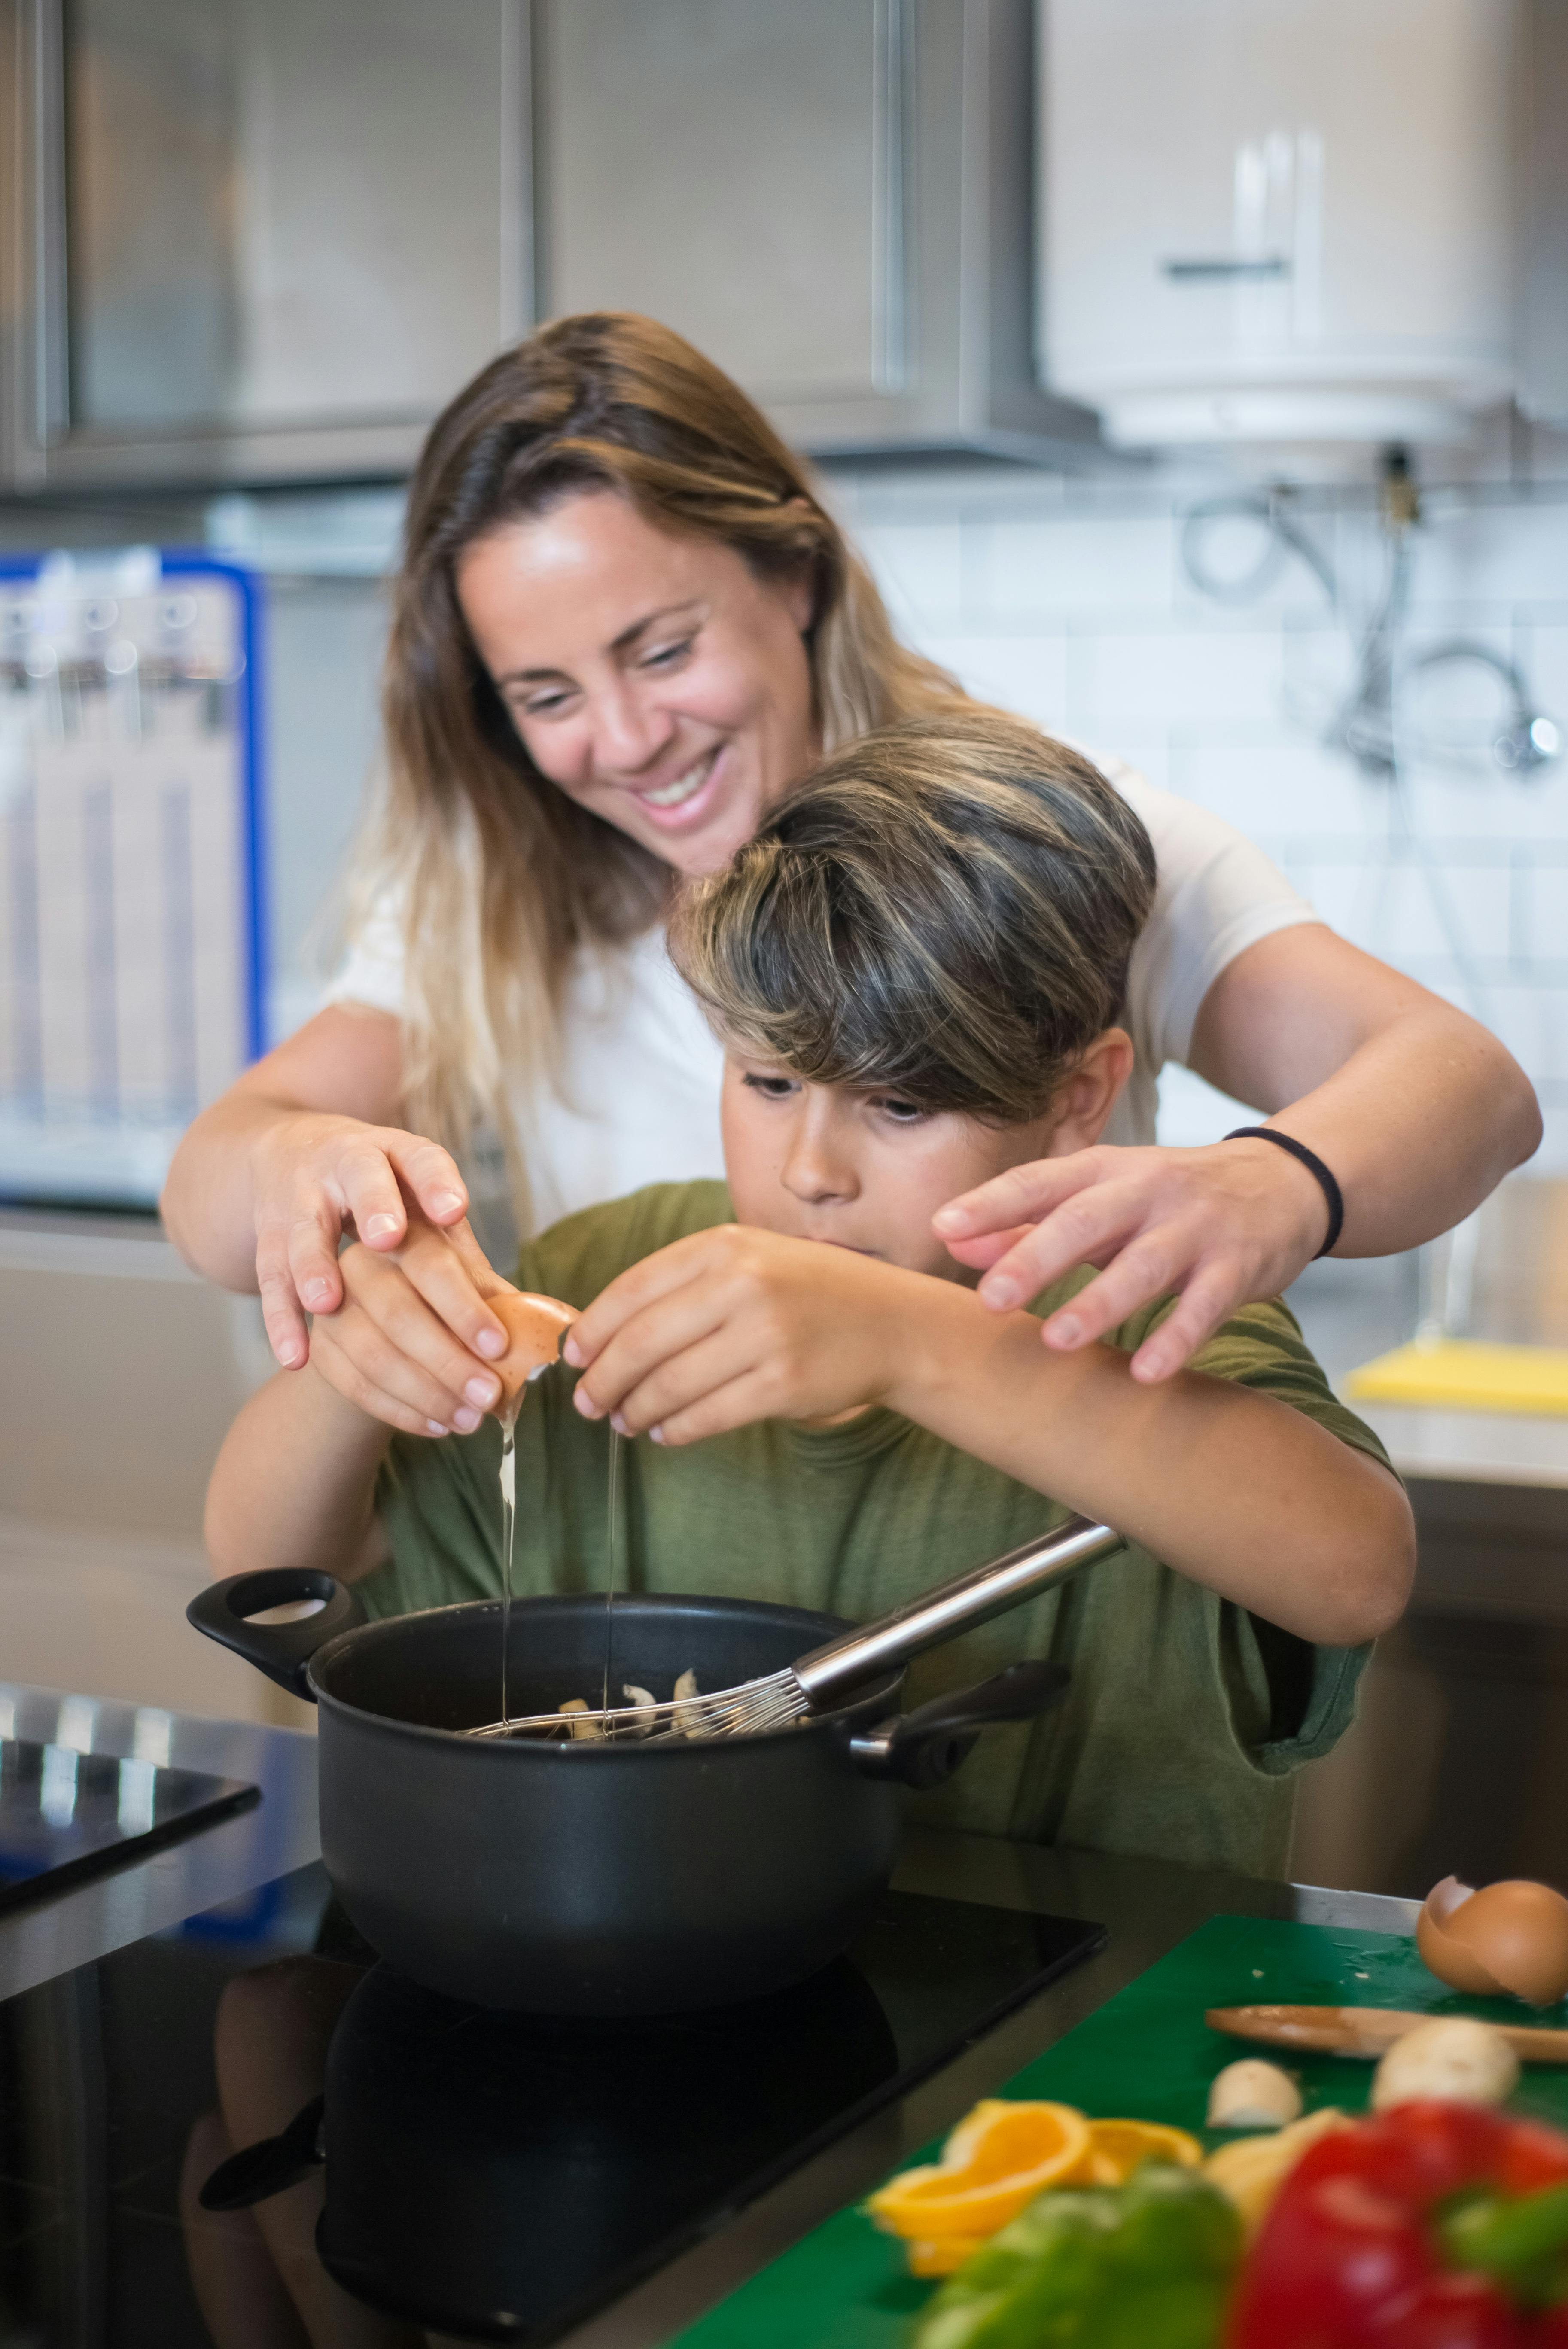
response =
{"points": [[1279, 220]]}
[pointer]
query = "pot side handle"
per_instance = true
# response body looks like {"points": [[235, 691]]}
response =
{"points": [[925, 1747], [281, 1651]]}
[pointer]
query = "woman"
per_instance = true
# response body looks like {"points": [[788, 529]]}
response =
{"points": [[624, 623]]}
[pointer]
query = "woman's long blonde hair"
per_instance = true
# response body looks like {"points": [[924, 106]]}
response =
{"points": [[499, 877]]}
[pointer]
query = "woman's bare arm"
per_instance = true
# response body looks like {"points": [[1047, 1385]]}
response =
{"points": [[302, 1149], [1419, 1110], [1417, 1107]]}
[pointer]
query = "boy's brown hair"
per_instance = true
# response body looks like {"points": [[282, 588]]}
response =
{"points": [[944, 911]]}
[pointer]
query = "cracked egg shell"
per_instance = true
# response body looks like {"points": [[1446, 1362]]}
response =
{"points": [[1509, 1937], [536, 1326]]}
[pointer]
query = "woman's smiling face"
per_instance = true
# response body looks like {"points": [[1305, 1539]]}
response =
{"points": [[658, 680]]}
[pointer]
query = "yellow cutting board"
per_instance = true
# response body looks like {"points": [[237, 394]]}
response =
{"points": [[1463, 1374]]}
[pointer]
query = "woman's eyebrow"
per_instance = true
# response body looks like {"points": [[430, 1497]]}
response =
{"points": [[623, 643]]}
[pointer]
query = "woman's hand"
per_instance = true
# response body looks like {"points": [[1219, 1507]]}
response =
{"points": [[1417, 1110], [1220, 1227], [733, 1325], [390, 1347], [317, 1176]]}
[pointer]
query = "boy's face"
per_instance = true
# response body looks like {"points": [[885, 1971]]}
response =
{"points": [[867, 1171]]}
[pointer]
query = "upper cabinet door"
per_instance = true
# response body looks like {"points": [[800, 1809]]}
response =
{"points": [[261, 236], [832, 199], [736, 169]]}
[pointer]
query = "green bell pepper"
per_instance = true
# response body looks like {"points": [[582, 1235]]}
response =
{"points": [[1521, 2240], [1141, 2266]]}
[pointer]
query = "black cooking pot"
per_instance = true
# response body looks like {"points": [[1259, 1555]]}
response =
{"points": [[597, 1877]]}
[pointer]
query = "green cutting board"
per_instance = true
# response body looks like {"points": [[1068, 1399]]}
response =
{"points": [[1145, 2054]]}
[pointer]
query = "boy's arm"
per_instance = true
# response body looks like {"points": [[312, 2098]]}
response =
{"points": [[1231, 1487], [294, 1484]]}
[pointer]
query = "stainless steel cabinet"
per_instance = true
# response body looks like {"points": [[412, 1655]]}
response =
{"points": [[264, 240], [1541, 278], [833, 198], [253, 239], [736, 169]]}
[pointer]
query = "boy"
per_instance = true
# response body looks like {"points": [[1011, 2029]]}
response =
{"points": [[916, 968]]}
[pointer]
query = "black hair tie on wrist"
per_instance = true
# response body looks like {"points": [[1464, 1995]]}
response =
{"points": [[1315, 1167]]}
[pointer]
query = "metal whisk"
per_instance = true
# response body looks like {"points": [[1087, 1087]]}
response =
{"points": [[817, 1682]]}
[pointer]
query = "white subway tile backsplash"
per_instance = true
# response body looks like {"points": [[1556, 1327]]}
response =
{"points": [[1026, 674], [1192, 1113], [1541, 647], [1424, 899], [1541, 909], [1319, 669], [1552, 1158], [918, 568], [1532, 1021], [1071, 567], [1276, 785], [1227, 676], [1530, 810], [1348, 896], [1505, 554], [1147, 754]]}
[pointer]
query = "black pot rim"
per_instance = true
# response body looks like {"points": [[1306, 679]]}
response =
{"points": [[877, 1703]]}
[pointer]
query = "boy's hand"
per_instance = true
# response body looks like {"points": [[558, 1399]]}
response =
{"points": [[733, 1325], [391, 1348]]}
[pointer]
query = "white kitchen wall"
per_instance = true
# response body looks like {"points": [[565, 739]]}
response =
{"points": [[1069, 603]]}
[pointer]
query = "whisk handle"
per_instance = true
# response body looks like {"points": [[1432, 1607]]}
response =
{"points": [[951, 1608]]}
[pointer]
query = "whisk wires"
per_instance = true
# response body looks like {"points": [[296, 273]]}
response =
{"points": [[753, 1709]]}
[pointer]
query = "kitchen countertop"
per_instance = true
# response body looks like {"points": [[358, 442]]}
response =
{"points": [[1353, 1310], [1148, 1906], [1352, 1313]]}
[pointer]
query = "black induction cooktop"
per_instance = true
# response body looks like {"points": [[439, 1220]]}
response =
{"points": [[493, 2178]]}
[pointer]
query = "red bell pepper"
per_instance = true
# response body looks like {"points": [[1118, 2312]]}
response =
{"points": [[1434, 2226]]}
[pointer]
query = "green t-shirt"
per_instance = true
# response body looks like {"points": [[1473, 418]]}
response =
{"points": [[1186, 1714]]}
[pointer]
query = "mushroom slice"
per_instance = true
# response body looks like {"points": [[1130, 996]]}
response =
{"points": [[1453, 2056], [1251, 2093], [687, 1717], [644, 1699]]}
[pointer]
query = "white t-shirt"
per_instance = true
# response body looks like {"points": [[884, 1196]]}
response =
{"points": [[638, 1100]]}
